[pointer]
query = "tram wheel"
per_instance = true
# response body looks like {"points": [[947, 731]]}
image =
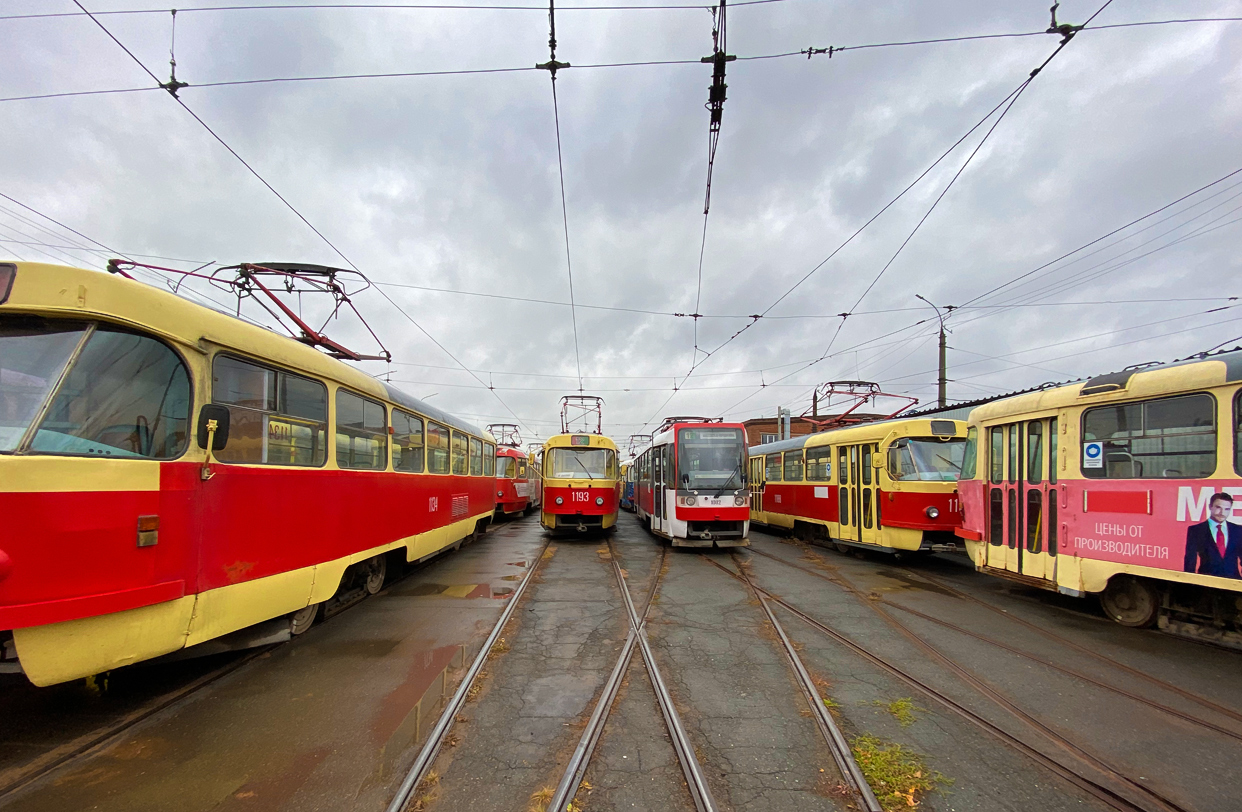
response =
{"points": [[841, 548], [302, 619], [376, 570], [1130, 601]]}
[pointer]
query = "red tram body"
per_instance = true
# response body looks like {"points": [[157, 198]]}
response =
{"points": [[513, 486]]}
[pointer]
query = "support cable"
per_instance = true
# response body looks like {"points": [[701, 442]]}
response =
{"points": [[552, 66], [716, 95]]}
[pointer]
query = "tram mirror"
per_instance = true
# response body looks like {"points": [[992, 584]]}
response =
{"points": [[220, 414], [685, 480]]}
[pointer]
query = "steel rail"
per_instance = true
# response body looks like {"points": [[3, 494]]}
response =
{"points": [[436, 739], [103, 737], [1081, 649], [1093, 788], [1005, 702], [695, 779], [575, 771], [840, 748], [1159, 706]]}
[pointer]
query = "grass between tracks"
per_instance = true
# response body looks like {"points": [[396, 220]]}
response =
{"points": [[898, 776]]}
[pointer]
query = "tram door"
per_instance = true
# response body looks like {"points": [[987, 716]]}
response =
{"points": [[1022, 497], [657, 487], [857, 494], [755, 484]]}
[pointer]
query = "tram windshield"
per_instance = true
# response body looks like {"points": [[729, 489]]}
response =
{"points": [[506, 467], [122, 395], [926, 460], [710, 458], [583, 463]]}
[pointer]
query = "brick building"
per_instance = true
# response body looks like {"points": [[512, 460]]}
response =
{"points": [[761, 430]]}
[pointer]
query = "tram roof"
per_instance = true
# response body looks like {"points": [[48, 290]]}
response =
{"points": [[843, 434], [1139, 381], [80, 293]]}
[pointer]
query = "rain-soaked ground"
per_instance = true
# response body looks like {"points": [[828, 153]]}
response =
{"points": [[333, 719]]}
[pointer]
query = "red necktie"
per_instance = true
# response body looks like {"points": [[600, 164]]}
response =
{"points": [[1220, 539]]}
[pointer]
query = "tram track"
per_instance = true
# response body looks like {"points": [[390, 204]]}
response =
{"points": [[1095, 788], [435, 740], [576, 769], [1066, 670], [841, 753], [1081, 649]]}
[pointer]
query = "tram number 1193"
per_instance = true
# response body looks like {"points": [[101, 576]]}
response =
{"points": [[579, 496]]}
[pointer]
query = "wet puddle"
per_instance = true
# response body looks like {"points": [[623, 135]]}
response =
{"points": [[908, 581]]}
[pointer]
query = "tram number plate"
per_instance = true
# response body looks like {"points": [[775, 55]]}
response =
{"points": [[580, 496]]}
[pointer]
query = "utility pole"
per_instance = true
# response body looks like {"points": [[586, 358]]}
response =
{"points": [[941, 395]]}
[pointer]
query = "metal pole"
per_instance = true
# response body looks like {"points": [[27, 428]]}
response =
{"points": [[941, 399]]}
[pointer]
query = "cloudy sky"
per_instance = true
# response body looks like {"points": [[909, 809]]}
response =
{"points": [[444, 189]]}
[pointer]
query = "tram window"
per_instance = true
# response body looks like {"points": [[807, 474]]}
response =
{"points": [[1237, 432], [361, 432], [866, 465], [819, 464], [461, 447], [521, 470], [476, 457], [1053, 528], [437, 448], [275, 418], [970, 452], [772, 468], [996, 517], [793, 466], [843, 469], [1170, 438], [996, 454], [1034, 517], [1014, 454], [506, 468], [1052, 453], [126, 395], [33, 353], [1034, 452], [407, 442], [866, 507], [489, 461]]}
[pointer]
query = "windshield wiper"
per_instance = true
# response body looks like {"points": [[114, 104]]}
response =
{"points": [[737, 469], [583, 467]]}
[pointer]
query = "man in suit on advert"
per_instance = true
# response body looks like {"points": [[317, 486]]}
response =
{"points": [[1214, 547]]}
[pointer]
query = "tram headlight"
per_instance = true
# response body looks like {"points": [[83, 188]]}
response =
{"points": [[560, 500], [932, 512], [599, 500], [739, 500], [500, 493], [690, 501]]}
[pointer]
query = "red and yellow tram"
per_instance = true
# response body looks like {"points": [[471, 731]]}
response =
{"points": [[581, 485], [126, 539], [691, 483], [1121, 487], [886, 485], [513, 485]]}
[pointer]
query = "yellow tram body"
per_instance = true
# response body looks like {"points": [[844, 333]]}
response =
{"points": [[77, 509], [581, 483], [860, 486]]}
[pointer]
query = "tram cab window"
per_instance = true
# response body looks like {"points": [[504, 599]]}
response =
{"points": [[506, 468], [437, 448], [476, 457], [819, 464], [1170, 438], [793, 466], [970, 452], [361, 432], [925, 459], [407, 442], [125, 395], [772, 468], [461, 446], [275, 418], [489, 460]]}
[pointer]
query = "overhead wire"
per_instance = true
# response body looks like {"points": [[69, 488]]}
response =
{"points": [[281, 197]]}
